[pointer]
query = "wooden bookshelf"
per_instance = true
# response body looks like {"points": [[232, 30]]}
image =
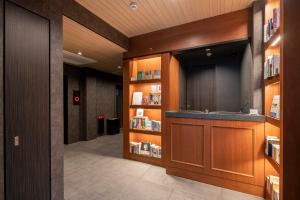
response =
{"points": [[169, 76], [271, 120], [273, 86], [144, 131], [146, 106], [272, 39], [145, 81], [273, 163], [272, 80]]}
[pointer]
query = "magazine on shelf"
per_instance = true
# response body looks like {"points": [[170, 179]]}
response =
{"points": [[137, 98], [275, 108]]}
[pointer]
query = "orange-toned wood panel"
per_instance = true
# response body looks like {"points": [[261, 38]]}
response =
{"points": [[237, 151], [187, 144], [200, 33], [233, 152], [270, 91], [270, 5], [145, 88], [137, 137], [153, 114], [174, 84], [145, 64], [126, 65]]}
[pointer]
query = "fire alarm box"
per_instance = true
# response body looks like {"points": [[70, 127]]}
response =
{"points": [[76, 97]]}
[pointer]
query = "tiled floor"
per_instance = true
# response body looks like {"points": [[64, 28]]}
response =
{"points": [[95, 170]]}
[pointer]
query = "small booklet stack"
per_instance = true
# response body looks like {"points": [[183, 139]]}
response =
{"points": [[145, 124], [272, 66], [272, 148], [145, 148], [273, 187]]}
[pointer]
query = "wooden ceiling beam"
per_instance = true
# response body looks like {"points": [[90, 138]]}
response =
{"points": [[81, 15]]}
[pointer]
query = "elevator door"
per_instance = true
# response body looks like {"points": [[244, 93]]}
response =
{"points": [[26, 105]]}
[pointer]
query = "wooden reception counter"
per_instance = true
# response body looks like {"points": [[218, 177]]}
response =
{"points": [[225, 150]]}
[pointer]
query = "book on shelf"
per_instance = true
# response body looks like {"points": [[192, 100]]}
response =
{"points": [[143, 123], [272, 187], [272, 148], [156, 74], [139, 112], [275, 107], [145, 148], [273, 24], [271, 66], [137, 98], [155, 88], [140, 75], [148, 75]]}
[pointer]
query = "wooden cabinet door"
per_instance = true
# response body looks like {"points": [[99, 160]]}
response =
{"points": [[187, 144], [236, 151]]}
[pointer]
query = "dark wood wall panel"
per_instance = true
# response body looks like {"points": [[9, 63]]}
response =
{"points": [[222, 28], [291, 98], [27, 111], [52, 10]]}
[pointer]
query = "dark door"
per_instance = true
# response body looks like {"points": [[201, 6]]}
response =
{"points": [[66, 119], [119, 103], [26, 105]]}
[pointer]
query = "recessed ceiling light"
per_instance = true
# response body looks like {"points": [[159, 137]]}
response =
{"points": [[119, 67], [79, 53], [133, 5]]}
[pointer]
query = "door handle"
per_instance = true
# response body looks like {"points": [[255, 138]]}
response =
{"points": [[16, 141]]}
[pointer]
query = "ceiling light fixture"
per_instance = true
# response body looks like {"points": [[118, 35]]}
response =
{"points": [[209, 54], [133, 5], [119, 67], [276, 41], [79, 53], [207, 50]]}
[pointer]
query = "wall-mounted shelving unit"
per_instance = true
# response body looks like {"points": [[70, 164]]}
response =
{"points": [[273, 86], [136, 78]]}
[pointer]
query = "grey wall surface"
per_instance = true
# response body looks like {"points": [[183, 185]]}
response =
{"points": [[228, 89], [182, 87], [257, 49], [246, 69], [219, 91], [106, 98], [97, 92]]}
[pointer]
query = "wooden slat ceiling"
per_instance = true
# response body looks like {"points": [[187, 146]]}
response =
{"points": [[77, 38], [153, 15]]}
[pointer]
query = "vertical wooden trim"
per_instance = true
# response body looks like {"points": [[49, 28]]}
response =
{"points": [[2, 135], [126, 68], [165, 88]]}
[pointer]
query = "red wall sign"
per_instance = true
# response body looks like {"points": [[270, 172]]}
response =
{"points": [[76, 97]]}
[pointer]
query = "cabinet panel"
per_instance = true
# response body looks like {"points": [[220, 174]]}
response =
{"points": [[236, 151], [229, 154], [187, 144]]}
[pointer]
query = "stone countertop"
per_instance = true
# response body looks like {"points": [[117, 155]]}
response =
{"points": [[216, 116]]}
